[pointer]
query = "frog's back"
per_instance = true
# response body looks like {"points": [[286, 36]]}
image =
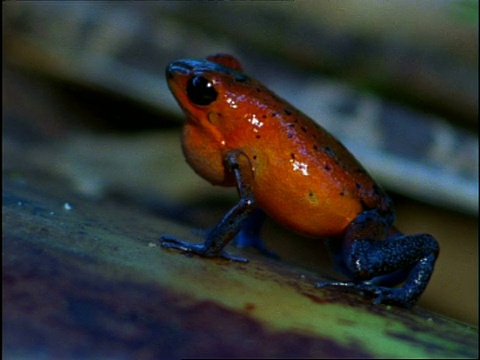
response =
{"points": [[304, 177]]}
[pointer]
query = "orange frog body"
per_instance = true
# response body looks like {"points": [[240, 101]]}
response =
{"points": [[239, 133]]}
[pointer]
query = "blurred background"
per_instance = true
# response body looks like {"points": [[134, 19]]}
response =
{"points": [[85, 99]]}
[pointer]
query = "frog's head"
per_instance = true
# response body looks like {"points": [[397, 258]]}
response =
{"points": [[213, 92]]}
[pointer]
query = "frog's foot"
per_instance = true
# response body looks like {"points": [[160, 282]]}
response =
{"points": [[243, 241], [171, 242], [249, 235], [396, 296]]}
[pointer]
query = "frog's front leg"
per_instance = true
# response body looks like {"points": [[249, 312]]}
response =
{"points": [[372, 262], [249, 236], [224, 232]]}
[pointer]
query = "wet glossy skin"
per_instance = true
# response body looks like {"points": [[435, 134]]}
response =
{"points": [[239, 133]]}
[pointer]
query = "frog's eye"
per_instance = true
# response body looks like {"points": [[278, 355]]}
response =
{"points": [[200, 91]]}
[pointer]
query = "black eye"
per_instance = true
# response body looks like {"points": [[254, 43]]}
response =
{"points": [[200, 91]]}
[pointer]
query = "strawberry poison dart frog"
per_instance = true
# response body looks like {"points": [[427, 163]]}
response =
{"points": [[239, 133]]}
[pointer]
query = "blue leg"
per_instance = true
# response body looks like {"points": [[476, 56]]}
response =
{"points": [[250, 234], [377, 264], [232, 222]]}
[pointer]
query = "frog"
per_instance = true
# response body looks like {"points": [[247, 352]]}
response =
{"points": [[284, 165]]}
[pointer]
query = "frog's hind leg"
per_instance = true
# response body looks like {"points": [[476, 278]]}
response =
{"points": [[376, 264]]}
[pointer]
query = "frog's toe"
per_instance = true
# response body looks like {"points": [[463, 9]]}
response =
{"points": [[171, 242], [227, 256], [381, 294], [397, 296], [323, 284]]}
